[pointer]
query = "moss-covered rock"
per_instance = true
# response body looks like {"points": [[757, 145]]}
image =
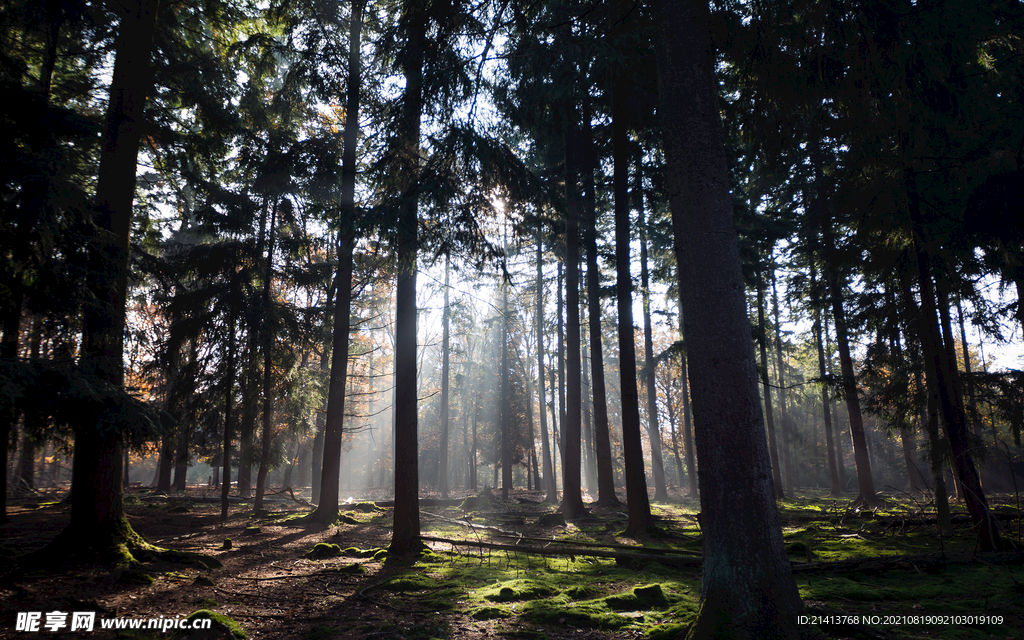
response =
{"points": [[646, 597], [363, 507], [324, 550], [221, 628], [489, 613], [411, 582], [517, 590], [356, 552]]}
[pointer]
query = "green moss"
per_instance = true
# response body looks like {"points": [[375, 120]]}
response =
{"points": [[227, 544], [489, 613], [208, 603], [253, 530], [356, 552], [668, 631], [323, 550], [517, 590], [219, 620], [188, 558], [590, 615], [347, 519], [381, 555], [648, 597], [364, 507], [580, 592], [411, 582]]}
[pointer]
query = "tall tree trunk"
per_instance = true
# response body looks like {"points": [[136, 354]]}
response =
{"points": [[317, 456], [589, 467], [930, 419], [406, 532], [559, 430], [181, 454], [473, 482], [865, 482], [550, 493], [840, 455], [684, 391], [35, 421], [943, 367], [229, 401], [602, 437], [972, 406], [748, 589], [835, 487], [784, 422], [766, 386], [334, 424], [670, 409], [97, 510], [506, 403], [9, 353], [653, 428], [267, 431], [442, 464], [572, 498], [639, 511]]}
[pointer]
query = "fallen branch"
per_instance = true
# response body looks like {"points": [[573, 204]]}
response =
{"points": [[601, 545], [571, 552], [891, 563], [472, 525]]}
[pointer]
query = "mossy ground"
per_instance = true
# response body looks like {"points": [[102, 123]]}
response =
{"points": [[466, 592], [549, 595]]}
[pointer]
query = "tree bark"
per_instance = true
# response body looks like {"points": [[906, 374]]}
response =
{"points": [[506, 402], [97, 510], [653, 427], [748, 589], [550, 493], [784, 422], [229, 401], [267, 428], [589, 467], [780, 493], [973, 415], [865, 482], [406, 532], [836, 488], [442, 458], [639, 508], [602, 436], [572, 499], [943, 367]]}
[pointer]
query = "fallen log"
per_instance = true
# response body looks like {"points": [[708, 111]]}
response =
{"points": [[570, 552], [909, 562]]}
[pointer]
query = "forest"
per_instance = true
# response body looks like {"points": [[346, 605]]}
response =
{"points": [[505, 318]]}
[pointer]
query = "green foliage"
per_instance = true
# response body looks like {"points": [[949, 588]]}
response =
{"points": [[74, 398]]}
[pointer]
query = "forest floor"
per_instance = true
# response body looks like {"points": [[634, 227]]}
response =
{"points": [[886, 567]]}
